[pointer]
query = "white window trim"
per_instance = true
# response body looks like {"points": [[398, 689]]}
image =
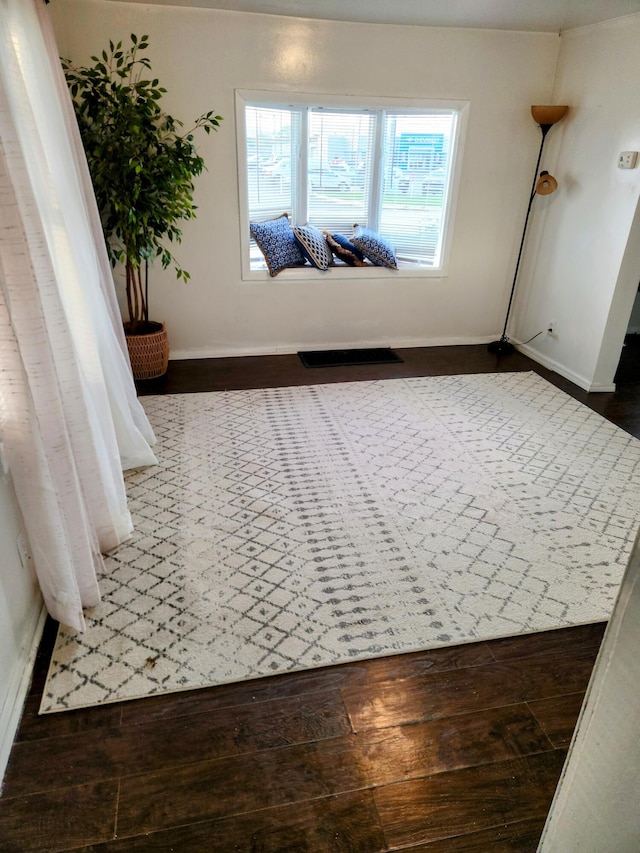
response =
{"points": [[288, 99]]}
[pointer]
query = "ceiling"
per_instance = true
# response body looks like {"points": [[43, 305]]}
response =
{"points": [[530, 15]]}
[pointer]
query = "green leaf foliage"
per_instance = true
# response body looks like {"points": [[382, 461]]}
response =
{"points": [[141, 166]]}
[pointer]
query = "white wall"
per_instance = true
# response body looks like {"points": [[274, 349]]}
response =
{"points": [[585, 244], [20, 608], [202, 56], [596, 805]]}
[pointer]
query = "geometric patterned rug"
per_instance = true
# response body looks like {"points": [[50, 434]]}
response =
{"points": [[291, 528]]}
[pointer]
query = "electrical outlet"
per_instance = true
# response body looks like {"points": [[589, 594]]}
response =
{"points": [[627, 159], [551, 327]]}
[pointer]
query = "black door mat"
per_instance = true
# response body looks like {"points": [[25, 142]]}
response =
{"points": [[348, 357]]}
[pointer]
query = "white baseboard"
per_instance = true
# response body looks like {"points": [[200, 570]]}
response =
{"points": [[576, 378], [603, 388], [19, 687], [292, 348]]}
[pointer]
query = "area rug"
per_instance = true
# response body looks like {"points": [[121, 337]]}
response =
{"points": [[290, 528]]}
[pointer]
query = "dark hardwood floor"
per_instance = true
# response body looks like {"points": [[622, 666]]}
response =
{"points": [[447, 751]]}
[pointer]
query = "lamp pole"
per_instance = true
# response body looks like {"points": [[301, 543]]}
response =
{"points": [[503, 345]]}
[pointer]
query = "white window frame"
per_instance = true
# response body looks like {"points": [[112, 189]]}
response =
{"points": [[287, 100]]}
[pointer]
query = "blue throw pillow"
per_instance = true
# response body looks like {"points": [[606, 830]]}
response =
{"points": [[374, 247], [344, 249], [313, 246], [277, 243]]}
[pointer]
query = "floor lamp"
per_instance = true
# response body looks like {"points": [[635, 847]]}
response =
{"points": [[543, 184]]}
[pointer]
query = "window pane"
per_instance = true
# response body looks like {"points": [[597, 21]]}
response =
{"points": [[336, 166], [340, 150], [271, 143], [272, 140], [415, 177]]}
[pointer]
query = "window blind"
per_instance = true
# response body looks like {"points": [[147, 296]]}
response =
{"points": [[333, 168]]}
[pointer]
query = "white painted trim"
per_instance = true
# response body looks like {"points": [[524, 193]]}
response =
{"points": [[603, 388], [623, 20], [288, 349], [287, 99], [308, 275], [576, 378], [20, 682]]}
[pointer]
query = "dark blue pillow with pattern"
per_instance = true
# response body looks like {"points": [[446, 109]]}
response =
{"points": [[276, 241], [374, 247], [344, 249]]}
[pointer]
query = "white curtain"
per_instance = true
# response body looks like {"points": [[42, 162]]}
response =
{"points": [[69, 417]]}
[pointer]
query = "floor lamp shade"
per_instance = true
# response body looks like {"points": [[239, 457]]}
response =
{"points": [[548, 114], [543, 184], [546, 184]]}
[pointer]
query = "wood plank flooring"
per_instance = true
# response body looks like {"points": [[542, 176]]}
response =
{"points": [[455, 750]]}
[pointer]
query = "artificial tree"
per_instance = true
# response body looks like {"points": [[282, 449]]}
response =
{"points": [[142, 164]]}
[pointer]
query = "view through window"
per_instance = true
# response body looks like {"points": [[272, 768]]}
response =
{"points": [[388, 170]]}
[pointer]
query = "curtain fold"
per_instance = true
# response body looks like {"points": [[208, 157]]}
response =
{"points": [[69, 417]]}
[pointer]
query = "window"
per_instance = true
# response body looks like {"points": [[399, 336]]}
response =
{"points": [[335, 164]]}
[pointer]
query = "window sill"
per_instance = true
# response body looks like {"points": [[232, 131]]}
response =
{"points": [[340, 272]]}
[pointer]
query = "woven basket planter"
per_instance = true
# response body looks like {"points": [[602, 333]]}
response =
{"points": [[149, 351]]}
